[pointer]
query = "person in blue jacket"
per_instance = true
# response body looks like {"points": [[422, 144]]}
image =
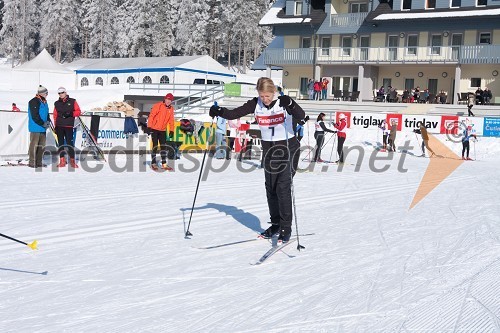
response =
{"points": [[466, 135], [38, 122]]}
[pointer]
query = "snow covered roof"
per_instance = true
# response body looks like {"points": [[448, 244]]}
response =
{"points": [[201, 63], [271, 17], [430, 15], [43, 62]]}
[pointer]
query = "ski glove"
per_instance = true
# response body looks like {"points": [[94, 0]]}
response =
{"points": [[171, 134], [46, 124], [285, 101], [306, 118], [67, 114], [215, 111]]}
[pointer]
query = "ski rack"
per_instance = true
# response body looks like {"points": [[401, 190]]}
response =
{"points": [[91, 138]]}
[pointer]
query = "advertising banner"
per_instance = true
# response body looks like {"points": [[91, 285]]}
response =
{"points": [[449, 125], [14, 135], [398, 118], [491, 127], [477, 124]]}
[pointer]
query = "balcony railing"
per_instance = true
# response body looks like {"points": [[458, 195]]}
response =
{"points": [[347, 20], [474, 54]]}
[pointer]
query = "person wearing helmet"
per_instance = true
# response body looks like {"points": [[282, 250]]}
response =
{"points": [[341, 127], [161, 119]]}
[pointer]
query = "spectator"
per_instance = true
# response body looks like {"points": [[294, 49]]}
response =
{"points": [[385, 134], [234, 125], [442, 97], [487, 96], [341, 127], [471, 99], [15, 108], [317, 90], [416, 93], [392, 136], [479, 96], [65, 111], [161, 119], [310, 89], [38, 122], [319, 135], [220, 142], [324, 88]]}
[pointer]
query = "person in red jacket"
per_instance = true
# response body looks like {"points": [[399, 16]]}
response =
{"points": [[341, 127], [161, 119], [66, 109], [15, 108]]}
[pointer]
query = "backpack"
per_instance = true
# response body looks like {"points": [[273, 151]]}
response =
{"points": [[186, 126]]}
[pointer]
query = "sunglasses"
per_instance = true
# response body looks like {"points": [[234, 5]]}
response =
{"points": [[61, 93]]}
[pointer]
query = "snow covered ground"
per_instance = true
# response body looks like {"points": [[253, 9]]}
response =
{"points": [[113, 258]]}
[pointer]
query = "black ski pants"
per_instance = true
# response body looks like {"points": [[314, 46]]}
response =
{"points": [[159, 140], [320, 138], [280, 163], [65, 140], [465, 148], [340, 148]]}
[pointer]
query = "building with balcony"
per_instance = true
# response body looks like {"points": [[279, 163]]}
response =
{"points": [[361, 45]]}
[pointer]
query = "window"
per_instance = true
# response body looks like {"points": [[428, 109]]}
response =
{"points": [[386, 83], [409, 84], [147, 79], [412, 44], [130, 79], [306, 42], [115, 80], [485, 38], [406, 5], [298, 8], [164, 79], [346, 46], [456, 42], [359, 7], [364, 45], [456, 3], [482, 3], [84, 82], [326, 43], [99, 81], [392, 42], [436, 43], [430, 4], [475, 82]]}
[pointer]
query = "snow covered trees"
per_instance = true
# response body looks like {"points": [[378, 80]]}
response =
{"points": [[132, 28]]}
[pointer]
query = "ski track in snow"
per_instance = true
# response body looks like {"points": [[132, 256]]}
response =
{"points": [[116, 258]]}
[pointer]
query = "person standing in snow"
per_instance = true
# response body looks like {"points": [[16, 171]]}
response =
{"points": [[280, 150], [15, 108], [425, 139], [38, 122], [392, 135], [319, 135], [385, 134], [220, 132], [341, 127], [471, 100], [466, 135], [161, 119], [65, 111]]}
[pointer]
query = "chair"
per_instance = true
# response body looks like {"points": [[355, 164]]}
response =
{"points": [[406, 97], [432, 99], [422, 98], [337, 95], [354, 96], [345, 95]]}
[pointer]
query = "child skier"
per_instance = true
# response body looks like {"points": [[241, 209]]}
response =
{"points": [[425, 139], [319, 135], [385, 134], [466, 135], [341, 127]]}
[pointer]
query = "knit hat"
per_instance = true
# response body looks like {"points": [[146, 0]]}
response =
{"points": [[42, 90], [169, 96]]}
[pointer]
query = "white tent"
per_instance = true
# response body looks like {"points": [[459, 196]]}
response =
{"points": [[42, 70]]}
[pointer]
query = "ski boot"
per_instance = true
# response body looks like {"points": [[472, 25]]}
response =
{"points": [[154, 166], [270, 232], [285, 234], [73, 164], [62, 162], [165, 166]]}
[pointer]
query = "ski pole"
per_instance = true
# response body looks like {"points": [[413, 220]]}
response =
{"points": [[188, 233], [32, 245], [474, 149], [292, 189], [91, 138], [53, 130], [333, 146]]}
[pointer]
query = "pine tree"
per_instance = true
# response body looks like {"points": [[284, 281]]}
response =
{"points": [[192, 27]]}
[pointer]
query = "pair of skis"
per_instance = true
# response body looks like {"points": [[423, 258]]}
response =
{"points": [[90, 139]]}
